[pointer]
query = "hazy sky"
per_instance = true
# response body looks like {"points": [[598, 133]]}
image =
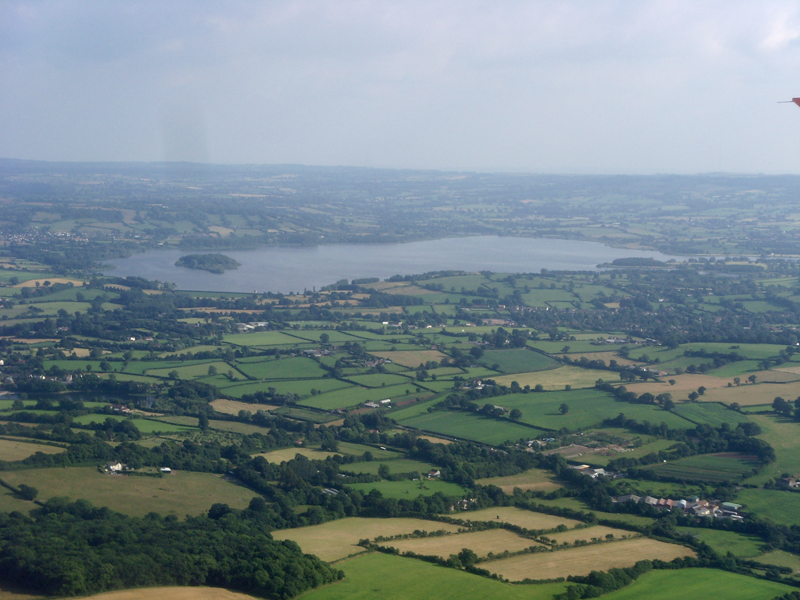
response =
{"points": [[539, 86]]}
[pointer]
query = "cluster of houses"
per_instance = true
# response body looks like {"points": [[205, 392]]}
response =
{"points": [[116, 468], [464, 504], [595, 473], [316, 353], [693, 506], [251, 326], [382, 404]]}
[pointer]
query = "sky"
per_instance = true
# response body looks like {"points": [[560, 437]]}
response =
{"points": [[562, 86]]}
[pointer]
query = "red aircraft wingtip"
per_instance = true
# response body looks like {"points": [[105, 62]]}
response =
{"points": [[796, 101]]}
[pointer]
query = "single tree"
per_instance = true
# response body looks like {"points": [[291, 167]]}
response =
{"points": [[563, 409]]}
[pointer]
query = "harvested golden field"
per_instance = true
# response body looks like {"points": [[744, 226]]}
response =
{"points": [[589, 533], [172, 593], [754, 394], [339, 539], [435, 440], [584, 560], [793, 372], [33, 282], [516, 516], [556, 379], [606, 356], [26, 340], [221, 231], [412, 358], [232, 407], [683, 385], [481, 543], [532, 479], [287, 454], [17, 450]]}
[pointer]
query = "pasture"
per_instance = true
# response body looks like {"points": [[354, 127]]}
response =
{"points": [[698, 584], [472, 427], [713, 468], [532, 479], [483, 543], [781, 434], [584, 559], [781, 559], [528, 519], [337, 539], [296, 367], [260, 338], [181, 493], [709, 413], [407, 489], [352, 396], [403, 465], [385, 577], [738, 544], [11, 450], [775, 505], [587, 407]]}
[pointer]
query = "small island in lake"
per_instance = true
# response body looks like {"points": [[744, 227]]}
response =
{"points": [[213, 263]]}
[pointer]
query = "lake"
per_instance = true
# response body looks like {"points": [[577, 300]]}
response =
{"points": [[297, 268]]}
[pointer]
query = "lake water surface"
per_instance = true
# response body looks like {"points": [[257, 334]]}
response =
{"points": [[295, 268]]}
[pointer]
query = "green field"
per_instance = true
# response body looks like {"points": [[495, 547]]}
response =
{"points": [[738, 544], [296, 367], [380, 380], [180, 493], [195, 370], [587, 408], [261, 338], [356, 395], [709, 413], [782, 435], [402, 465], [472, 427], [301, 387], [781, 559], [603, 457], [725, 466], [381, 576], [698, 584], [146, 426], [408, 489], [775, 505]]}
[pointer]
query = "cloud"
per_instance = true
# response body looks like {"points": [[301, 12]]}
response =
{"points": [[607, 86]]}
